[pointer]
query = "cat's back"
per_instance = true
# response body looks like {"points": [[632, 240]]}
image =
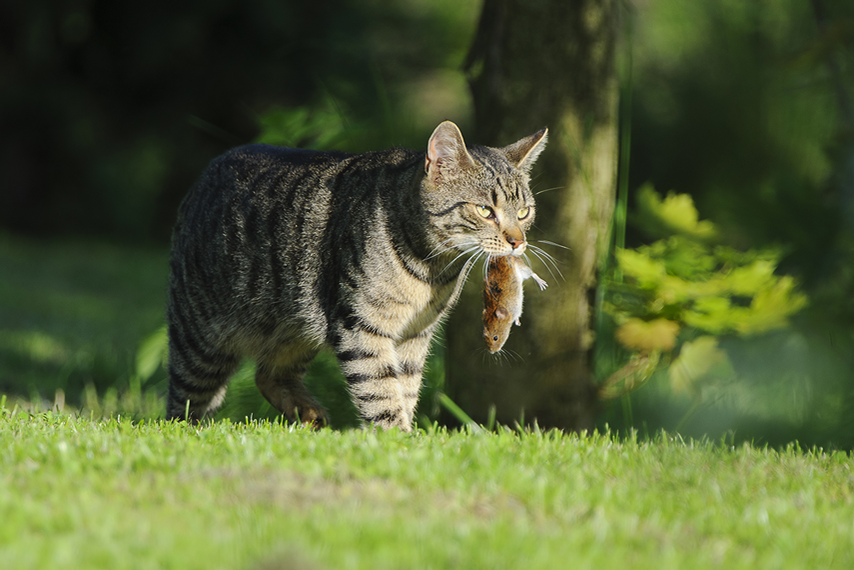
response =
{"points": [[254, 168], [267, 232], [261, 175], [237, 238]]}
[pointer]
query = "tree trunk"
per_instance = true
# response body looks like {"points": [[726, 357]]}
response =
{"points": [[537, 63]]}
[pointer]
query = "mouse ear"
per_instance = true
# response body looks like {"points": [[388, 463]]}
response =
{"points": [[502, 313]]}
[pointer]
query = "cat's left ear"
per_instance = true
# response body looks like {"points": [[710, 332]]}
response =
{"points": [[446, 153], [524, 153]]}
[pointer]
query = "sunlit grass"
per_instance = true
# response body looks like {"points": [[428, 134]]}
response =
{"points": [[111, 493]]}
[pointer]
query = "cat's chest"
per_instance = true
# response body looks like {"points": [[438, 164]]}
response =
{"points": [[403, 307]]}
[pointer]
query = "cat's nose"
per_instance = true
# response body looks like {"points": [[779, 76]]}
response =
{"points": [[516, 244]]}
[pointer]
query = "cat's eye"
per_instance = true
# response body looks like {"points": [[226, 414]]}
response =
{"points": [[523, 213], [485, 211]]}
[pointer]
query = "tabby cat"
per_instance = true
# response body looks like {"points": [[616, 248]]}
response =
{"points": [[278, 252]]}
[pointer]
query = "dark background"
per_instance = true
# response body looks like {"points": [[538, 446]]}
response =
{"points": [[109, 110]]}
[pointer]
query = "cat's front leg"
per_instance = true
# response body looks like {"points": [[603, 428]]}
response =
{"points": [[370, 363], [413, 354]]}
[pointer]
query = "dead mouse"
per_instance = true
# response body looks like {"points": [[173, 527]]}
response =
{"points": [[502, 298]]}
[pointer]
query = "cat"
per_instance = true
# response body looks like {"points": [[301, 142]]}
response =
{"points": [[278, 252]]}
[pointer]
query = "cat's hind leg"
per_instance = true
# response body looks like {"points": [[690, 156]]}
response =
{"points": [[198, 375], [280, 380]]}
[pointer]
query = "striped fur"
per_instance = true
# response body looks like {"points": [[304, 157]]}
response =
{"points": [[278, 252]]}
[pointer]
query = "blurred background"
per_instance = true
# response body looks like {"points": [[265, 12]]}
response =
{"points": [[738, 118]]}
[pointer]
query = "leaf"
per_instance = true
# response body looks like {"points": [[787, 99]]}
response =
{"points": [[317, 128], [632, 375], [675, 214], [695, 360], [674, 289], [684, 258], [772, 306], [659, 334], [711, 314], [152, 353], [646, 271], [749, 279]]}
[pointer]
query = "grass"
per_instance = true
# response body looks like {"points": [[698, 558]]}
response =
{"points": [[72, 314], [112, 493]]}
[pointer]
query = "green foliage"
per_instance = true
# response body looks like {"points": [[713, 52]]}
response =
{"points": [[675, 214], [86, 494], [685, 285], [299, 127], [152, 354], [712, 289]]}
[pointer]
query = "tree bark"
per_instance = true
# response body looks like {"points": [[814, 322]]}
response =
{"points": [[537, 63]]}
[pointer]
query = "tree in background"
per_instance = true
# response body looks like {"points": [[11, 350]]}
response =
{"points": [[535, 64]]}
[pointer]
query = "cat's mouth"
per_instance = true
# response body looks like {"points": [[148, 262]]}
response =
{"points": [[516, 249]]}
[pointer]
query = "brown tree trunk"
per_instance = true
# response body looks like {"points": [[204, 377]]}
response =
{"points": [[537, 63]]}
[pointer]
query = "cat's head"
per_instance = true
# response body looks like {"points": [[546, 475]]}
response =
{"points": [[477, 197]]}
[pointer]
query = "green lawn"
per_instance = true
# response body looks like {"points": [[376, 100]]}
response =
{"points": [[72, 314], [82, 493]]}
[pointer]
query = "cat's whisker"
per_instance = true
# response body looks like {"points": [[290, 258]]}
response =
{"points": [[473, 262], [549, 264], [471, 249], [527, 260], [545, 256], [435, 253], [538, 192], [439, 249], [543, 252], [552, 243], [486, 263], [547, 260], [443, 247], [476, 259]]}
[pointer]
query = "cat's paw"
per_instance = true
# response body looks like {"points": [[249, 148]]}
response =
{"points": [[311, 415]]}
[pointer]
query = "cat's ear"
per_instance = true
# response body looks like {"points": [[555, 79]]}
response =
{"points": [[446, 153], [524, 153]]}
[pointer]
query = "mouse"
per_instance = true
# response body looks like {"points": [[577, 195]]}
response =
{"points": [[502, 298]]}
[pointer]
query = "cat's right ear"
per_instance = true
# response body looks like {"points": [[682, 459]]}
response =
{"points": [[446, 153], [523, 153]]}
